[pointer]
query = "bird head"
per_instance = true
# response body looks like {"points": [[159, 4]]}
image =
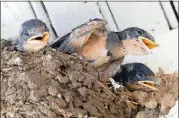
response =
{"points": [[33, 36], [137, 76], [137, 41]]}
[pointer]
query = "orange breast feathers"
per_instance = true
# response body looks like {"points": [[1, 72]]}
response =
{"points": [[94, 48]]}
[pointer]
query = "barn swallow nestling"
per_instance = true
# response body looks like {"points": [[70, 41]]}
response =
{"points": [[98, 46], [137, 76], [105, 49], [92, 41], [33, 35]]}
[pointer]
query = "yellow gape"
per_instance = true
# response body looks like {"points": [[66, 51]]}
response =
{"points": [[36, 43], [150, 44], [149, 84], [45, 37]]}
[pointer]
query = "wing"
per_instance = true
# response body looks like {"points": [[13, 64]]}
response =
{"points": [[73, 41], [115, 46]]}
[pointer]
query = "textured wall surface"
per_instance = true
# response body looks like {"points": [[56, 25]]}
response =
{"points": [[66, 16], [62, 17], [146, 15], [13, 14]]}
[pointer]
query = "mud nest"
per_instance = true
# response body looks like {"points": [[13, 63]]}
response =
{"points": [[50, 84]]}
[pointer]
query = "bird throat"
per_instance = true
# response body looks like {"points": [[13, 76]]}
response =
{"points": [[36, 43], [135, 47]]}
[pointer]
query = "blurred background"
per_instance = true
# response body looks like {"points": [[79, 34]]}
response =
{"points": [[61, 17]]}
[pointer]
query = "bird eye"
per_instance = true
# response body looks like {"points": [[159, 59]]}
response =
{"points": [[140, 74], [139, 32], [26, 34]]}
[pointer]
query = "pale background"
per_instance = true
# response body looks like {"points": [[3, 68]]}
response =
{"points": [[61, 17]]}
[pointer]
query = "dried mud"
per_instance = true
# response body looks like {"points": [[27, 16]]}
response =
{"points": [[50, 84]]}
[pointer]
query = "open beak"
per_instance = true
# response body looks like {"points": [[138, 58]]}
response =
{"points": [[140, 46], [150, 44], [45, 37], [149, 84], [37, 42], [40, 37]]}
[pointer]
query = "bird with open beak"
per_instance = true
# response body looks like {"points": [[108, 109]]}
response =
{"points": [[97, 45], [137, 76], [105, 49], [92, 41], [33, 36]]}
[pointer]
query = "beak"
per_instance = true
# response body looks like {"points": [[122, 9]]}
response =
{"points": [[150, 84], [150, 44], [41, 37], [46, 36], [36, 42]]}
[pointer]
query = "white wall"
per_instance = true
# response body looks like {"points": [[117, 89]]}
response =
{"points": [[65, 16], [13, 14], [146, 15]]}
